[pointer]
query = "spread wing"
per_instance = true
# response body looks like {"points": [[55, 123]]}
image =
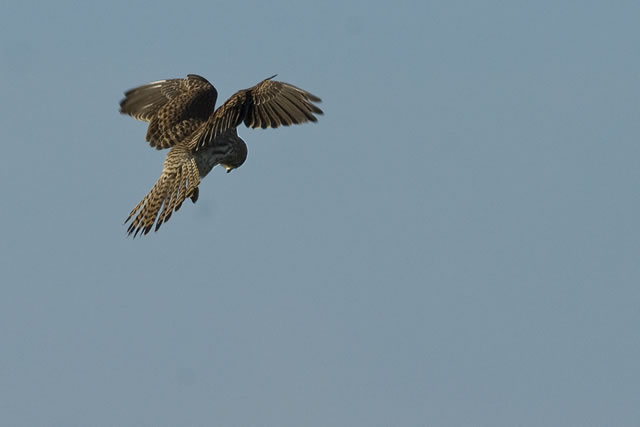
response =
{"points": [[179, 180], [269, 104], [174, 108]]}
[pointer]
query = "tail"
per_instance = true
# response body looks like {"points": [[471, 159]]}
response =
{"points": [[179, 180]]}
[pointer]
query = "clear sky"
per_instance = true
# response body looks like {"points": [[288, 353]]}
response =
{"points": [[455, 242]]}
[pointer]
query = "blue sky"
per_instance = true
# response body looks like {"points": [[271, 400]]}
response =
{"points": [[455, 242]]}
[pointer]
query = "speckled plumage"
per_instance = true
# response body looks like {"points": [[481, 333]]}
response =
{"points": [[182, 116]]}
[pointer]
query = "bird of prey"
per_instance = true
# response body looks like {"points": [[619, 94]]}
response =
{"points": [[182, 116]]}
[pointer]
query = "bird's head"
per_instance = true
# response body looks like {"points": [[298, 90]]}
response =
{"points": [[236, 157]]}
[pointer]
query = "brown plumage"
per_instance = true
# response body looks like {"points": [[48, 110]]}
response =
{"points": [[182, 116]]}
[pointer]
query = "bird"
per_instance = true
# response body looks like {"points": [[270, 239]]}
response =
{"points": [[182, 117]]}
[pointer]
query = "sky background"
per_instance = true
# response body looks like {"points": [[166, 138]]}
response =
{"points": [[455, 242]]}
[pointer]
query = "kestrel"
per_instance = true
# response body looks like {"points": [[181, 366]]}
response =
{"points": [[182, 116]]}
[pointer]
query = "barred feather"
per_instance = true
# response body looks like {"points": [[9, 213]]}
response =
{"points": [[269, 104], [174, 108], [178, 181]]}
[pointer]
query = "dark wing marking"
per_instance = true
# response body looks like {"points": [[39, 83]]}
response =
{"points": [[269, 104]]}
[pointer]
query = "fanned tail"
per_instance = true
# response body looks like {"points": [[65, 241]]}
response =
{"points": [[179, 180]]}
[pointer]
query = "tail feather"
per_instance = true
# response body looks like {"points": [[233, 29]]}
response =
{"points": [[179, 180]]}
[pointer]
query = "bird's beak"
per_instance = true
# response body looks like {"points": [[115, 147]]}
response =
{"points": [[228, 168]]}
